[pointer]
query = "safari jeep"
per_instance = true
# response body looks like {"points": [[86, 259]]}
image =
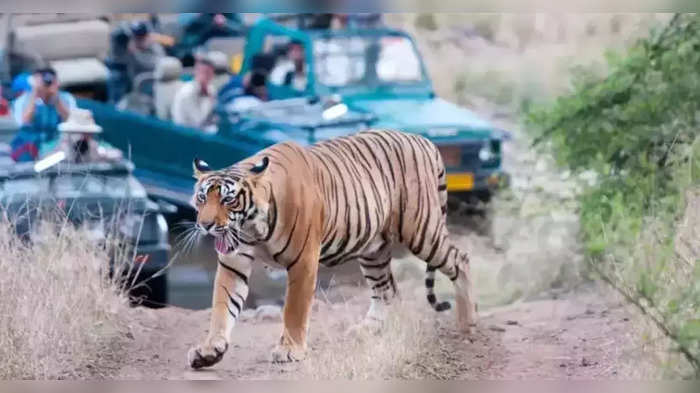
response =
{"points": [[379, 71]]}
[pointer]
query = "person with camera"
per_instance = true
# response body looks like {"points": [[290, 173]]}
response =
{"points": [[78, 140], [144, 52], [38, 113]]}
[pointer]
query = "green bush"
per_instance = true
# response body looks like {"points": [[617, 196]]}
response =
{"points": [[637, 129]]}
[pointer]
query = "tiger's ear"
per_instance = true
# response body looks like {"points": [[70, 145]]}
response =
{"points": [[200, 167], [261, 166]]}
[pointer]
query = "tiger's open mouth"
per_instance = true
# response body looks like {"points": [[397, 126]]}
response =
{"points": [[222, 245]]}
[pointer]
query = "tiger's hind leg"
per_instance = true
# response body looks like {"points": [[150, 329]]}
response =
{"points": [[376, 270], [381, 281]]}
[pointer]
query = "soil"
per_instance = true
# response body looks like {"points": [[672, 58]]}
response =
{"points": [[578, 335]]}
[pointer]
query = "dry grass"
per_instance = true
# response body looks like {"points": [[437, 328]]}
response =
{"points": [[405, 349], [60, 314]]}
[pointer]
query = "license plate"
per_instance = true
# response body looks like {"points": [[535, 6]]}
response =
{"points": [[460, 181]]}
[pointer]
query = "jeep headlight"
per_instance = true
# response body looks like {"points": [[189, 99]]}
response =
{"points": [[489, 150], [485, 153]]}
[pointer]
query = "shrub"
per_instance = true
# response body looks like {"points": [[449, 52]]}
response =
{"points": [[637, 128]]}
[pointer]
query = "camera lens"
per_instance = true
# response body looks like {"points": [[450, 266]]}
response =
{"points": [[48, 78]]}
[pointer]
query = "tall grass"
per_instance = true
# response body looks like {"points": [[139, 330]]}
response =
{"points": [[60, 313]]}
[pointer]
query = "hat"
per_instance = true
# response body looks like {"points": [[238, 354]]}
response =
{"points": [[218, 60], [140, 28], [80, 121]]}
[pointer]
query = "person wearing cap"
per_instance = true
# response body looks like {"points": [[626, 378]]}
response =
{"points": [[144, 52], [38, 113], [78, 141], [194, 102], [290, 70]]}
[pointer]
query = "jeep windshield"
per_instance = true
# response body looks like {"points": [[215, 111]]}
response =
{"points": [[367, 61]]}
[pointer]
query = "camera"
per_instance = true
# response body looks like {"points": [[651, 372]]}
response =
{"points": [[47, 78]]}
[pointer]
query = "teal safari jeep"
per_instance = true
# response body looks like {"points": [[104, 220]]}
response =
{"points": [[380, 71]]}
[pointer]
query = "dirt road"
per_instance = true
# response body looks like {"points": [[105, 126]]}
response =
{"points": [[576, 335]]}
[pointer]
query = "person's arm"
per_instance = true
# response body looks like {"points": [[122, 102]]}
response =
{"points": [[63, 106], [29, 108]]}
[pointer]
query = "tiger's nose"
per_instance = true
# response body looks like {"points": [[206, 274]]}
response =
{"points": [[206, 225]]}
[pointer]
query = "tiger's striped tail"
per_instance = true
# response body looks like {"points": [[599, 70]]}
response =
{"points": [[429, 286], [430, 271]]}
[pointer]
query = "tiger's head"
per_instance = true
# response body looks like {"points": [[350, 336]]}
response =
{"points": [[232, 204]]}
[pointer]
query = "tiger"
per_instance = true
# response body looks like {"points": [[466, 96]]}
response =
{"points": [[352, 198]]}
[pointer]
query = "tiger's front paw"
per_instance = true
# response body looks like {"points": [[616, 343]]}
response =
{"points": [[207, 354], [286, 353]]}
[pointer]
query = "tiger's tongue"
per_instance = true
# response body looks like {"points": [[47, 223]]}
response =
{"points": [[220, 245]]}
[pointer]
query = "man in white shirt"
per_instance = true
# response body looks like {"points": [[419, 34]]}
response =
{"points": [[291, 71], [194, 103]]}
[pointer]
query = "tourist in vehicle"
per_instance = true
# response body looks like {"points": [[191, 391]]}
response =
{"points": [[290, 70], [38, 114], [144, 53], [77, 140], [254, 93], [117, 62], [194, 103], [199, 28]]}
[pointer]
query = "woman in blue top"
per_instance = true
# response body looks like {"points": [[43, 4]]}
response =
{"points": [[38, 112]]}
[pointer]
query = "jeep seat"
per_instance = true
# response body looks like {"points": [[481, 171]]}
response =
{"points": [[167, 76], [74, 49]]}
